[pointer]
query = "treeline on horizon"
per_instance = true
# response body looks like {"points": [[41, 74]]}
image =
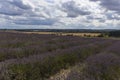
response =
{"points": [[64, 30], [114, 33], [105, 32]]}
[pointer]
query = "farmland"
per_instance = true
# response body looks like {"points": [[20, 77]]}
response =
{"points": [[61, 33], [68, 34], [39, 56]]}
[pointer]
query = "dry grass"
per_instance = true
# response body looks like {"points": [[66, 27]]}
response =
{"points": [[62, 75], [66, 34]]}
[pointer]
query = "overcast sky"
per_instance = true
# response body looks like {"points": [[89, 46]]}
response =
{"points": [[60, 14]]}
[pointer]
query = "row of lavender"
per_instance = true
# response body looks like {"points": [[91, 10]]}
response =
{"points": [[16, 45], [36, 57]]}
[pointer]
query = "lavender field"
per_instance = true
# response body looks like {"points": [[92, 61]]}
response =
{"points": [[40, 56]]}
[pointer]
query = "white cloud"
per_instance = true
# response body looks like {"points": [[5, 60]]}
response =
{"points": [[59, 14]]}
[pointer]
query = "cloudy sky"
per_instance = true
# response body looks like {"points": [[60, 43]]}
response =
{"points": [[60, 14]]}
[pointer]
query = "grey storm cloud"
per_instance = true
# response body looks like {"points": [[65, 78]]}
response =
{"points": [[110, 4], [111, 16], [35, 21], [20, 4], [95, 18], [73, 10], [13, 7], [22, 13]]}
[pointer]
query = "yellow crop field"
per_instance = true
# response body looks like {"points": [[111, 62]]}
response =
{"points": [[67, 34]]}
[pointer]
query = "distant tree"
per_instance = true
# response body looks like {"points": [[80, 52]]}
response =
{"points": [[115, 33], [103, 35]]}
